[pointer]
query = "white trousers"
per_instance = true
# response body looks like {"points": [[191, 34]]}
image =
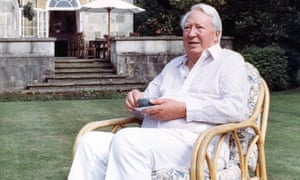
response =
{"points": [[132, 153]]}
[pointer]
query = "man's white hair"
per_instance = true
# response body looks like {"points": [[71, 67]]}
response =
{"points": [[209, 10]]}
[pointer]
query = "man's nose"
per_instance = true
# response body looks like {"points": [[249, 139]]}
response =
{"points": [[193, 31]]}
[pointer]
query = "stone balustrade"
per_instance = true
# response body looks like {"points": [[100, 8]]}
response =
{"points": [[25, 61]]}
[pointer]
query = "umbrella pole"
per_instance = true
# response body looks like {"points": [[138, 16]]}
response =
{"points": [[108, 33]]}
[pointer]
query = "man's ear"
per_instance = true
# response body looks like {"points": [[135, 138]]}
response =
{"points": [[217, 36]]}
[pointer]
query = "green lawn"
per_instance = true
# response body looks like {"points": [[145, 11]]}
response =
{"points": [[36, 137], [283, 136]]}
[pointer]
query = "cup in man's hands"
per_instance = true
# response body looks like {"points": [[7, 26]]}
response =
{"points": [[144, 102]]}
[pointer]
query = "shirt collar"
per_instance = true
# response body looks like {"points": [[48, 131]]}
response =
{"points": [[214, 51], [182, 61]]}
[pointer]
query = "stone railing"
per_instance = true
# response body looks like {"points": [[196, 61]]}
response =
{"points": [[142, 58], [25, 61]]}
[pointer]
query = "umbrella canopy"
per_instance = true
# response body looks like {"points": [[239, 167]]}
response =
{"points": [[116, 6], [110, 6]]}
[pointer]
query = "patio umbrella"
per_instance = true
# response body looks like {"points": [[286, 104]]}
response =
{"points": [[110, 6]]}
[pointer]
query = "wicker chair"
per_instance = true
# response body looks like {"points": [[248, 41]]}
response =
{"points": [[247, 140]]}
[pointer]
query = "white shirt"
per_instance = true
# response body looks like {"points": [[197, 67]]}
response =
{"points": [[215, 90]]}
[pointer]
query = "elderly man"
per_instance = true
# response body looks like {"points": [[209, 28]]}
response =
{"points": [[203, 88]]}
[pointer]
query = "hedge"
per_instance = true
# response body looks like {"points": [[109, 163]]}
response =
{"points": [[271, 63]]}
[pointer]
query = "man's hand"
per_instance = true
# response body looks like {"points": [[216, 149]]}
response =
{"points": [[166, 109], [131, 99]]}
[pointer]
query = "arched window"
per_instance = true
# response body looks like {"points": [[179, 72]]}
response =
{"points": [[63, 5]]}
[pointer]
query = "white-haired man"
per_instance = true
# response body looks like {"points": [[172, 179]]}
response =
{"points": [[203, 88]]}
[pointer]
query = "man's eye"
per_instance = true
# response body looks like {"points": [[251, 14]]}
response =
{"points": [[199, 27], [187, 28]]}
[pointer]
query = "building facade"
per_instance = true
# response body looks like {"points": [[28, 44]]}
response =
{"points": [[60, 19], [28, 48]]}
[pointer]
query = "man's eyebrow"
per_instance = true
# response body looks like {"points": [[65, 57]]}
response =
{"points": [[193, 23]]}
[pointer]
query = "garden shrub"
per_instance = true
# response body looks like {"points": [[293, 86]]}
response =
{"points": [[293, 69], [271, 63]]}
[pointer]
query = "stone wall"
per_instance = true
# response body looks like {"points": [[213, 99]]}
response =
{"points": [[144, 67], [142, 58], [25, 61]]}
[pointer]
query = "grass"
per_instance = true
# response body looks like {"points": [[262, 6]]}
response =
{"points": [[283, 137], [36, 137]]}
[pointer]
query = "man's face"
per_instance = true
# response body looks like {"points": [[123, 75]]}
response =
{"points": [[198, 33]]}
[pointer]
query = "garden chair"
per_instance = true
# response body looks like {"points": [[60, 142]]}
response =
{"points": [[84, 51], [247, 139]]}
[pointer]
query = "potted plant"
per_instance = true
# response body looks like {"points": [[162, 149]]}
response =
{"points": [[28, 11]]}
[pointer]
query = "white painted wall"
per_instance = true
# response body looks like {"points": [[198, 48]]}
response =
{"points": [[9, 11], [95, 25]]}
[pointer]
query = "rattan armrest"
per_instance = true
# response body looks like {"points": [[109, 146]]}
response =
{"points": [[200, 154]]}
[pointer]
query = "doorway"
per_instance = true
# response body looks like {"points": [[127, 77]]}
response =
{"points": [[63, 28]]}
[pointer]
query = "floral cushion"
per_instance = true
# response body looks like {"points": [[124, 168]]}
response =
{"points": [[171, 174], [247, 134], [232, 172]]}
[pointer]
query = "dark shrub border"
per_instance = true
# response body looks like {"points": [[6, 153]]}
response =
{"points": [[271, 63]]}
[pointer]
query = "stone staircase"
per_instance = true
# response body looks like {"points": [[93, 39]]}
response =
{"points": [[83, 76]]}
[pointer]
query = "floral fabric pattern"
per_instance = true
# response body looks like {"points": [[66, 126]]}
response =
{"points": [[171, 174], [246, 135]]}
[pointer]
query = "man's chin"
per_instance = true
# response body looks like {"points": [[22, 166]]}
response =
{"points": [[197, 50]]}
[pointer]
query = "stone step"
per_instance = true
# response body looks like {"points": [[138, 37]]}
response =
{"points": [[82, 90], [52, 88], [82, 62], [99, 82], [73, 76], [83, 70], [83, 77], [75, 60], [82, 65]]}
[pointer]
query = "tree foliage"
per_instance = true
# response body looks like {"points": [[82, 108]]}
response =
{"points": [[158, 19], [162, 17], [264, 24], [260, 23], [254, 22]]}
